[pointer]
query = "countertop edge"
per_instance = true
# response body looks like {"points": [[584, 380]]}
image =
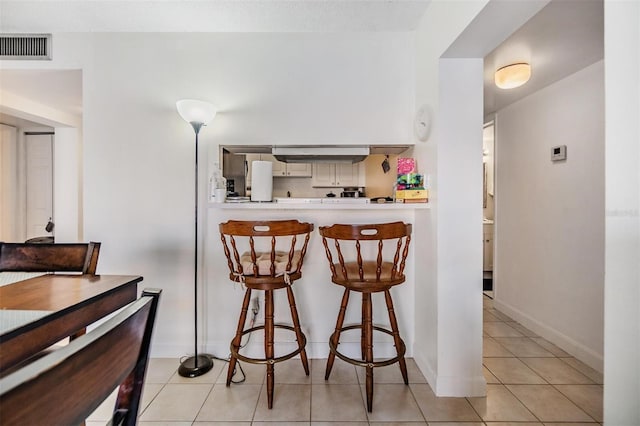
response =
{"points": [[319, 206]]}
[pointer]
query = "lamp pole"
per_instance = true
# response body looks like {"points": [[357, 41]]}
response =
{"points": [[196, 365]]}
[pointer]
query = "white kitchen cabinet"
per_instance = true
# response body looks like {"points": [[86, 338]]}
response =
{"points": [[335, 175], [281, 169], [297, 169], [487, 246]]}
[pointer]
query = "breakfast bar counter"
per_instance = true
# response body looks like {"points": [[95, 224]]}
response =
{"points": [[306, 203], [316, 296]]}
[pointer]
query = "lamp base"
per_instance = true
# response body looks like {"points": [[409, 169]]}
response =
{"points": [[195, 366]]}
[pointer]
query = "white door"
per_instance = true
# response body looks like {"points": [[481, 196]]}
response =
{"points": [[8, 183], [39, 183]]}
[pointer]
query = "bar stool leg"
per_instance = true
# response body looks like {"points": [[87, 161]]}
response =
{"points": [[363, 342], [367, 328], [396, 335], [335, 337], [268, 343], [296, 326], [235, 343]]}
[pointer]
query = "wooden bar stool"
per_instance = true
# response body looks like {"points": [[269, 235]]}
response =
{"points": [[266, 266], [366, 271]]}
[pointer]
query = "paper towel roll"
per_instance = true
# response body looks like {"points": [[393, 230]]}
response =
{"points": [[261, 180]]}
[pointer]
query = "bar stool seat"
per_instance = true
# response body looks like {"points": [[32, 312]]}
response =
{"points": [[265, 265], [366, 271]]}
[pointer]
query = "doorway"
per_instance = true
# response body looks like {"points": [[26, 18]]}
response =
{"points": [[26, 182], [38, 148], [488, 207]]}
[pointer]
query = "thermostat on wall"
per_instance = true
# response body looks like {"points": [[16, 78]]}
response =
{"points": [[559, 153]]}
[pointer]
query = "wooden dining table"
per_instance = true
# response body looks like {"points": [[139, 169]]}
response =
{"points": [[38, 312]]}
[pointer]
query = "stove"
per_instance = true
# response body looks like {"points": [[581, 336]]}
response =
{"points": [[334, 200]]}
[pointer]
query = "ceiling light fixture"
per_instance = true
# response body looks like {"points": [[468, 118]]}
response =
{"points": [[512, 76]]}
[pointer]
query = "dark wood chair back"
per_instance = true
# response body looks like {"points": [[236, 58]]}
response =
{"points": [[265, 254], [67, 385], [56, 257], [367, 267]]}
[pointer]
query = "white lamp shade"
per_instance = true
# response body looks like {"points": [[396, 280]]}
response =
{"points": [[512, 76], [195, 111]]}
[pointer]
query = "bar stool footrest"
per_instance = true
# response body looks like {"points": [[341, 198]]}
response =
{"points": [[301, 346], [381, 363]]}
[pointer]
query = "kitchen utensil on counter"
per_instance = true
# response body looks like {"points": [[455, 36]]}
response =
{"points": [[382, 200], [220, 195], [352, 192], [238, 199], [261, 181]]}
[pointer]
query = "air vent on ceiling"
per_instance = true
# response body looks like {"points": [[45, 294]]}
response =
{"points": [[25, 46]]}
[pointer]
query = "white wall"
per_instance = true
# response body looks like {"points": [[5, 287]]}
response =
{"points": [[270, 89], [67, 185], [549, 260], [622, 264]]}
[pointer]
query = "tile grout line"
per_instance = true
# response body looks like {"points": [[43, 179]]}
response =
{"points": [[547, 382], [368, 421], [509, 390]]}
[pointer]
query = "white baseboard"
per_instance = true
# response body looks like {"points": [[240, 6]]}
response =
{"points": [[451, 386], [427, 369], [564, 342], [461, 386]]}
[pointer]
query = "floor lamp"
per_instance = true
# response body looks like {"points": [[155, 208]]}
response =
{"points": [[198, 114]]}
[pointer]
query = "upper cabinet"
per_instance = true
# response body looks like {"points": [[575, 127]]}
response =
{"points": [[281, 169], [335, 175]]}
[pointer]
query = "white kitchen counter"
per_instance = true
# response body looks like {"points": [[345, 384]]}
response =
{"points": [[319, 206]]}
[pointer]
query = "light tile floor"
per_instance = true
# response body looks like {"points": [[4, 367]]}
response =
{"points": [[529, 382]]}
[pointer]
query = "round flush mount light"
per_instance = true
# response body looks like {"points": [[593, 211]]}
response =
{"points": [[512, 76]]}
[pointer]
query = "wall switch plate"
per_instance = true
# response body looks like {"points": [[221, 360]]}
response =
{"points": [[559, 153]]}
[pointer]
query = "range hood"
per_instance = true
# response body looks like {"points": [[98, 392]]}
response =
{"points": [[320, 154]]}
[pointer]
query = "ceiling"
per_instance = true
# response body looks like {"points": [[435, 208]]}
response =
{"points": [[564, 37], [561, 39], [211, 15]]}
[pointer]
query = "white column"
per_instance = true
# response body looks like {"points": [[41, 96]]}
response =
{"points": [[459, 229], [622, 206]]}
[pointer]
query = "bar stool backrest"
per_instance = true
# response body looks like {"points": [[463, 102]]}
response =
{"points": [[369, 265], [264, 254]]}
